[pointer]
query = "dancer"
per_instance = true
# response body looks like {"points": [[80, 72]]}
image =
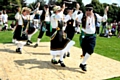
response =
{"points": [[45, 27], [21, 29], [59, 44], [70, 20], [88, 36], [35, 24]]}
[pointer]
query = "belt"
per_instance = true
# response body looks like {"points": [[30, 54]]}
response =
{"points": [[85, 34], [90, 34]]}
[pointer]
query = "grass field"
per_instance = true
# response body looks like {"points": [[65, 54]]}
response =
{"points": [[108, 47]]}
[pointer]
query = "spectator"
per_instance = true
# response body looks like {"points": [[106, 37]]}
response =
{"points": [[118, 29], [5, 20], [114, 29], [98, 28], [104, 24], [12, 25], [1, 21], [108, 32]]}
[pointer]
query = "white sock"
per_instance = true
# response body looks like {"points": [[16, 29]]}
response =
{"points": [[29, 37], [61, 56], [54, 56], [69, 51], [21, 44], [38, 40], [85, 58], [18, 45], [13, 40]]}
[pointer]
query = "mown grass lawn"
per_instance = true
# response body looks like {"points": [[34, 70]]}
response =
{"points": [[109, 47]]}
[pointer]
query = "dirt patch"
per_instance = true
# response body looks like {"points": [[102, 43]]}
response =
{"points": [[34, 64]]}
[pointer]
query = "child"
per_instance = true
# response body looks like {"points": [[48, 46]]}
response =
{"points": [[12, 25], [108, 33], [1, 21]]}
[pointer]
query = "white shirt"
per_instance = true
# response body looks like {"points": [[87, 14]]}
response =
{"points": [[47, 15], [5, 18], [79, 17], [1, 20], [90, 23], [54, 20], [19, 17], [68, 17], [1, 17]]}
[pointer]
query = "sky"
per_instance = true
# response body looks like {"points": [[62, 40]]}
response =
{"points": [[88, 1]]}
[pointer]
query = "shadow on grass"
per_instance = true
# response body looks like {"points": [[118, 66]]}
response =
{"points": [[45, 64]]}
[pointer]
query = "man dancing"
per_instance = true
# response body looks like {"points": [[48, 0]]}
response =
{"points": [[88, 37]]}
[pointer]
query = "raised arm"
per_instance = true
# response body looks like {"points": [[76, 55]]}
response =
{"points": [[74, 15], [104, 18], [37, 8]]}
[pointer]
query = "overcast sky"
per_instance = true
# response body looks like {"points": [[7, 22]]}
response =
{"points": [[88, 1]]}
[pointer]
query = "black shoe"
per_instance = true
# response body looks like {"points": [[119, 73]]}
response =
{"points": [[83, 67], [61, 63], [54, 61], [64, 55], [36, 45], [68, 54], [19, 50], [29, 41]]}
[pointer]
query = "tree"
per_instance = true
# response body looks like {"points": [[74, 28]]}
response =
{"points": [[98, 7]]}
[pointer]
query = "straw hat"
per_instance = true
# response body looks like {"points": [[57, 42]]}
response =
{"points": [[26, 9], [56, 8]]}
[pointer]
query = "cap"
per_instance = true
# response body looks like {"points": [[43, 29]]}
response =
{"points": [[56, 8], [89, 6], [26, 9]]}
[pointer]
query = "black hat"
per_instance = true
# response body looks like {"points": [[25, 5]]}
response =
{"points": [[69, 8], [89, 6], [46, 6]]}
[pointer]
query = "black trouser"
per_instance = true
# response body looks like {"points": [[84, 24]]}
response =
{"points": [[47, 26], [41, 33], [88, 44], [48, 33], [97, 30]]}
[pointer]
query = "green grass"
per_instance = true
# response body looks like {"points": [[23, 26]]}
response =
{"points": [[6, 36], [115, 78], [108, 47]]}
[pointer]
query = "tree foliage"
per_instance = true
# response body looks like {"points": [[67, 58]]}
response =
{"points": [[113, 12]]}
